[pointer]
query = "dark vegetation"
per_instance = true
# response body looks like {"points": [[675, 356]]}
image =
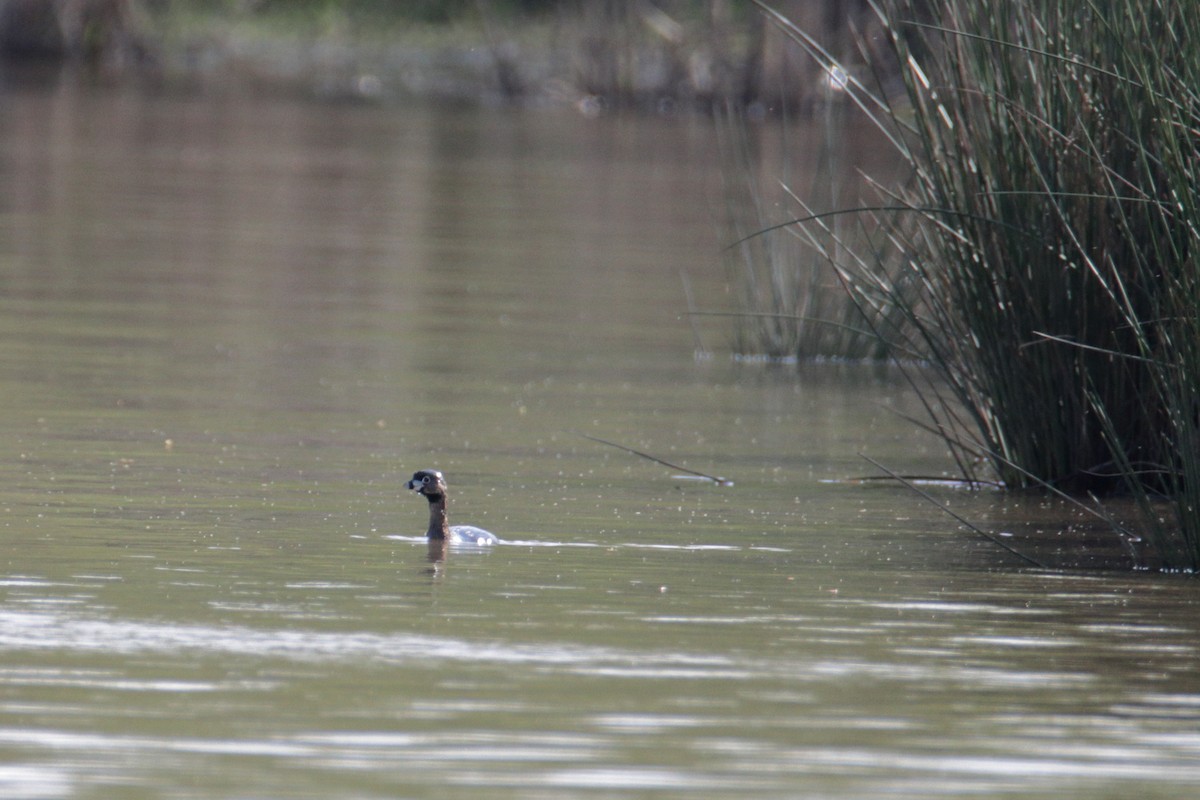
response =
{"points": [[1038, 272], [663, 56]]}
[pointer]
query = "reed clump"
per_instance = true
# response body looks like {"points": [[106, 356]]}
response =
{"points": [[1051, 232]]}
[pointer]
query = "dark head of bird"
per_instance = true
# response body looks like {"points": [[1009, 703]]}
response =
{"points": [[431, 484], [428, 482]]}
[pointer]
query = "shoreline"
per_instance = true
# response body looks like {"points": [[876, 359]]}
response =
{"points": [[596, 58]]}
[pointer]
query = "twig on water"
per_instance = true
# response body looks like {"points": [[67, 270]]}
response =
{"points": [[939, 480], [717, 479], [993, 539]]}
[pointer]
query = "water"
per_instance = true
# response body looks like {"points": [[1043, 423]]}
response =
{"points": [[231, 327]]}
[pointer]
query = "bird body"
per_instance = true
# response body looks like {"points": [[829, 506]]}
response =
{"points": [[431, 484]]}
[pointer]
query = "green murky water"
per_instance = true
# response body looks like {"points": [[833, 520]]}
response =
{"points": [[230, 328]]}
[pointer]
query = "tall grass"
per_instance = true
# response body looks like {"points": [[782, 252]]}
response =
{"points": [[790, 279], [1053, 230]]}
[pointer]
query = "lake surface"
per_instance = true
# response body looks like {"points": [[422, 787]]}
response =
{"points": [[232, 326]]}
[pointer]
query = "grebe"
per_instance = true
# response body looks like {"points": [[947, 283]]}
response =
{"points": [[430, 483]]}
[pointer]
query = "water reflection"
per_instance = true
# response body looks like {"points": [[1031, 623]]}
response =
{"points": [[775, 691], [437, 557]]}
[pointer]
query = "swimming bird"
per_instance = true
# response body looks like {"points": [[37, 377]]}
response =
{"points": [[431, 484]]}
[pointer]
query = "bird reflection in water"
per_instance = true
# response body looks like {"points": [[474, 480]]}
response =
{"points": [[437, 558]]}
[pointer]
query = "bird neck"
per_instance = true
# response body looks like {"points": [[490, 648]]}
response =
{"points": [[438, 528]]}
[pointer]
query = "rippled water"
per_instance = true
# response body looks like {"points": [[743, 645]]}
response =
{"points": [[230, 328]]}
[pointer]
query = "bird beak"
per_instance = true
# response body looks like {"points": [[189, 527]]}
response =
{"points": [[412, 485]]}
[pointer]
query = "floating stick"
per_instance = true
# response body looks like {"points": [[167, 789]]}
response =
{"points": [[717, 479], [993, 539]]}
